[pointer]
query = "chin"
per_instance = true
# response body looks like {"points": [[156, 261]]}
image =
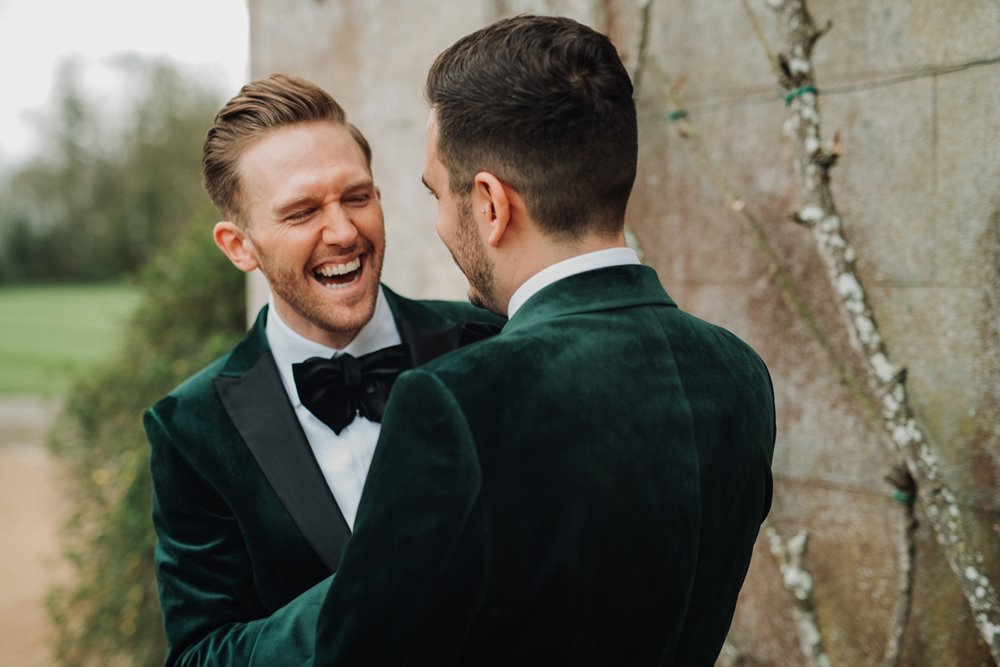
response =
{"points": [[477, 299], [355, 314]]}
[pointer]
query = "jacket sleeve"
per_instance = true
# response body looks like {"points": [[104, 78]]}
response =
{"points": [[211, 613], [414, 573]]}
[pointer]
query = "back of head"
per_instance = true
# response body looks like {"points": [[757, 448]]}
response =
{"points": [[261, 106], [545, 104]]}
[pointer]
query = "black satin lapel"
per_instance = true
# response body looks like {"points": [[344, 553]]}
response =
{"points": [[425, 344], [259, 407]]}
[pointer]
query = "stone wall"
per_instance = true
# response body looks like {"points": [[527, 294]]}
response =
{"points": [[913, 88], [373, 57]]}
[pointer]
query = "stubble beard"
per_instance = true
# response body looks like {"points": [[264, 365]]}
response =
{"points": [[474, 263], [334, 318]]}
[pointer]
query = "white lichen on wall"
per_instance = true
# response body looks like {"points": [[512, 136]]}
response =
{"points": [[885, 380], [799, 582]]}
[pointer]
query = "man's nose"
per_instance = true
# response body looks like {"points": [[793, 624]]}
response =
{"points": [[338, 229]]}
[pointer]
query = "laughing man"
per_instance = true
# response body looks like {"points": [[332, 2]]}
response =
{"points": [[258, 460]]}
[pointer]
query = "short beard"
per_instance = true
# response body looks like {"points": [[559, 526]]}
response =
{"points": [[474, 263], [337, 320]]}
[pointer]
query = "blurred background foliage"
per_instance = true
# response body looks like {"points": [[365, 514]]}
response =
{"points": [[109, 185], [191, 310], [115, 195]]}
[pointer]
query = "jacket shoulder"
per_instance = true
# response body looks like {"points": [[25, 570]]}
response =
{"points": [[200, 385], [699, 332], [462, 311], [197, 389], [437, 313]]}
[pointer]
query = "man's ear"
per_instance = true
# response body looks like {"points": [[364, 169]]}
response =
{"points": [[233, 241], [494, 200]]}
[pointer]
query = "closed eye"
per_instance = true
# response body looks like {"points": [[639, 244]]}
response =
{"points": [[430, 190], [302, 214], [358, 200]]}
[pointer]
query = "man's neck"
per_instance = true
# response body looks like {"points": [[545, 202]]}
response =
{"points": [[336, 340], [379, 331]]}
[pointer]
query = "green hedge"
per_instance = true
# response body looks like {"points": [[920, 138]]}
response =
{"points": [[191, 310]]}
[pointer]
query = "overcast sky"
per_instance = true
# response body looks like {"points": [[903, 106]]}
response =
{"points": [[37, 35]]}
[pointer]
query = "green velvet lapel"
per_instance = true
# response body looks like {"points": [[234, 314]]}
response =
{"points": [[592, 291], [251, 390]]}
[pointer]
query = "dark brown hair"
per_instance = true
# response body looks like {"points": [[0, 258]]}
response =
{"points": [[261, 106], [545, 104]]}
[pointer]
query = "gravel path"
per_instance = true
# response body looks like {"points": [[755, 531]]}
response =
{"points": [[31, 511]]}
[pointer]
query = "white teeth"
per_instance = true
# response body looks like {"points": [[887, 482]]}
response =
{"points": [[340, 269]]}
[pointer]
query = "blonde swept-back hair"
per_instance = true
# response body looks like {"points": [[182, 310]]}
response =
{"points": [[261, 106]]}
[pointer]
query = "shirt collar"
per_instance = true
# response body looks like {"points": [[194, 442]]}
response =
{"points": [[289, 347], [599, 259]]}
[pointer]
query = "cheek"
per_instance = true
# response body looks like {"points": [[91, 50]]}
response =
{"points": [[447, 218], [445, 225], [375, 230]]}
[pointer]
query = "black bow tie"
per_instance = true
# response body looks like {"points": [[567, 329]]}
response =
{"points": [[337, 389]]}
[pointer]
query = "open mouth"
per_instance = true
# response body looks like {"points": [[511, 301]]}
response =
{"points": [[336, 276]]}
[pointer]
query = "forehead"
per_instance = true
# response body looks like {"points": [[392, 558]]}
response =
{"points": [[432, 124], [294, 155]]}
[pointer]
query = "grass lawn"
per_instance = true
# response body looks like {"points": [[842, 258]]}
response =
{"points": [[50, 334]]}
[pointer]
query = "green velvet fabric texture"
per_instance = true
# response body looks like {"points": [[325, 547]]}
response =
{"points": [[239, 581], [584, 488]]}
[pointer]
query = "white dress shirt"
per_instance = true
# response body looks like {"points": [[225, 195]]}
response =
{"points": [[344, 458], [599, 259]]}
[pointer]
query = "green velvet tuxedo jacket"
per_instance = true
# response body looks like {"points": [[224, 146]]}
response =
{"points": [[248, 532], [584, 488]]}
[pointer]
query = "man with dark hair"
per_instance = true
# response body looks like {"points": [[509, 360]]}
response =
{"points": [[584, 488], [259, 459]]}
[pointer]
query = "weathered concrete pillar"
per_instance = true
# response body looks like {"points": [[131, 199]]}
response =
{"points": [[373, 57]]}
